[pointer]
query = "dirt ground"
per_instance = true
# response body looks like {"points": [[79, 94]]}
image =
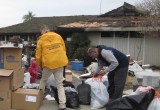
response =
{"points": [[129, 83]]}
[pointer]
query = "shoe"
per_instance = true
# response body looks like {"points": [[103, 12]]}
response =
{"points": [[62, 109]]}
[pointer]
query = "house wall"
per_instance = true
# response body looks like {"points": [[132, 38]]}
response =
{"points": [[121, 44], [136, 48], [141, 49], [107, 41], [95, 38], [152, 51]]}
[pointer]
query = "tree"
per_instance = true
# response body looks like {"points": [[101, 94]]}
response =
{"points": [[28, 16], [152, 17], [81, 53], [150, 6], [77, 48], [78, 40], [149, 24]]}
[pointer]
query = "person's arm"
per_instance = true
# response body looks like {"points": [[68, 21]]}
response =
{"points": [[100, 66], [108, 56], [38, 55], [33, 72]]}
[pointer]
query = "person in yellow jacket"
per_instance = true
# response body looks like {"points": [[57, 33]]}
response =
{"points": [[51, 56]]}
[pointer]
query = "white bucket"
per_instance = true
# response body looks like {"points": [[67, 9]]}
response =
{"points": [[27, 78]]}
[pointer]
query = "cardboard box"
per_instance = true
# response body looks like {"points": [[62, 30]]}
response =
{"points": [[27, 99], [10, 79], [6, 78], [11, 57], [5, 99], [6, 81], [18, 78], [68, 75]]}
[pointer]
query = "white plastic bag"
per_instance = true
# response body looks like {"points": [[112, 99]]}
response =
{"points": [[27, 78], [105, 81], [99, 93], [31, 86], [51, 81], [155, 104], [92, 67]]}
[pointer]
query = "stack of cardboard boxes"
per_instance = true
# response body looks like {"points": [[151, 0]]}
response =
{"points": [[12, 96]]}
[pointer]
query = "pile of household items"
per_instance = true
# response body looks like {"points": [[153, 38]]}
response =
{"points": [[143, 96], [19, 89], [12, 95]]}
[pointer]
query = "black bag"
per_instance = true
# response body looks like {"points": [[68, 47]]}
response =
{"points": [[132, 102], [72, 100], [84, 93]]}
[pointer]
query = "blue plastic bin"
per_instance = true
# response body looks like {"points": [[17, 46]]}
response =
{"points": [[77, 65]]}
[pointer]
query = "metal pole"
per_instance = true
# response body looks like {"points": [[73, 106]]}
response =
{"points": [[128, 42], [114, 39], [100, 6], [144, 46]]}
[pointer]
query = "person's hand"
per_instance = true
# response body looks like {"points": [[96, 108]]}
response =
{"points": [[106, 73], [94, 74], [102, 72], [38, 68]]}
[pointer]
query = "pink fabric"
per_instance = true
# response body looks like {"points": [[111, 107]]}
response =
{"points": [[141, 89], [32, 71]]}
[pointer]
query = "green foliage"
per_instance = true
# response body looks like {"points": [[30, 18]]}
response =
{"points": [[28, 16], [78, 40], [77, 47], [81, 54], [68, 49]]}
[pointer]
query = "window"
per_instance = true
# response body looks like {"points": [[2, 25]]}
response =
{"points": [[68, 38], [123, 34], [106, 34], [2, 38], [25, 38], [7, 38], [135, 34]]}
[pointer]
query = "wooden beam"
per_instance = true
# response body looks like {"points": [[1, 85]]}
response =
{"points": [[122, 29]]}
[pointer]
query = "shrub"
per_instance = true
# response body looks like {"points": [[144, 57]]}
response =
{"points": [[77, 47], [81, 54]]}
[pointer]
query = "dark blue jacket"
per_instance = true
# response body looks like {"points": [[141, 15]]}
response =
{"points": [[121, 58]]}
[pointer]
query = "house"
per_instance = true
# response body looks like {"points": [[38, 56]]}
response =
{"points": [[29, 31], [125, 28], [124, 10]]}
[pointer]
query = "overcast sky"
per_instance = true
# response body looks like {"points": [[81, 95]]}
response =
{"points": [[12, 11]]}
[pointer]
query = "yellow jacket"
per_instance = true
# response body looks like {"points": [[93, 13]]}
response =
{"points": [[51, 51]]}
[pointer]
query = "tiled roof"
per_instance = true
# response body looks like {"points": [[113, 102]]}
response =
{"points": [[125, 10], [125, 21], [33, 25]]}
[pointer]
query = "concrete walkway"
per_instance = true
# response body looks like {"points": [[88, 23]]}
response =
{"points": [[52, 105]]}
